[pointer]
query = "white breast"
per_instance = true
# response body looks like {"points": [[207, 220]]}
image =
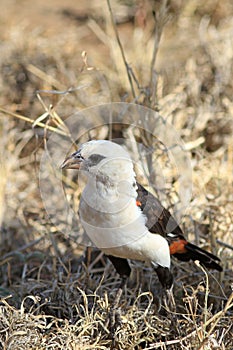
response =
{"points": [[111, 218], [121, 231], [112, 224]]}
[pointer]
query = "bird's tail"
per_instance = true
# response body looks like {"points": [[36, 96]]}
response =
{"points": [[193, 252]]}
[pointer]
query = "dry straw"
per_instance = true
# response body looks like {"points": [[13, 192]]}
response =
{"points": [[54, 293]]}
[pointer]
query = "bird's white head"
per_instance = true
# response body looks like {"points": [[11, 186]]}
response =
{"points": [[105, 160]]}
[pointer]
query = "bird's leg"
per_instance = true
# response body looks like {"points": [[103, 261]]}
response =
{"points": [[115, 311], [123, 268], [169, 300], [87, 261], [170, 307], [166, 279]]}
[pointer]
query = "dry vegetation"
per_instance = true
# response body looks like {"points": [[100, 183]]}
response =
{"points": [[54, 294]]}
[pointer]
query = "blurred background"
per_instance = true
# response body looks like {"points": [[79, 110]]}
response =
{"points": [[59, 57]]}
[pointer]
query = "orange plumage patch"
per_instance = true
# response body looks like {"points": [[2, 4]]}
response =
{"points": [[138, 203], [178, 247]]}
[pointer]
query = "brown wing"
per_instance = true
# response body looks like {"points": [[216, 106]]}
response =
{"points": [[160, 221]]}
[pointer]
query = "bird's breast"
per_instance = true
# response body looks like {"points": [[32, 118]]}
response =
{"points": [[112, 224], [121, 231]]}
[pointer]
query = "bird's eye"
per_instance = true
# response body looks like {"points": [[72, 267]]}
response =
{"points": [[77, 155]]}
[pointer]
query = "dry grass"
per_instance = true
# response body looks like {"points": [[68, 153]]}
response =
{"points": [[53, 294]]}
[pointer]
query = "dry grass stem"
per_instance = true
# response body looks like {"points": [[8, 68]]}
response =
{"points": [[174, 57]]}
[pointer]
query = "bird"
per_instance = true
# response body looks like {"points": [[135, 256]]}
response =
{"points": [[125, 220]]}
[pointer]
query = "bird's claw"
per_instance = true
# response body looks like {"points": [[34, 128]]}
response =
{"points": [[114, 324], [169, 301]]}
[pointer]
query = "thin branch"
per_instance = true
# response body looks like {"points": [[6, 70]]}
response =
{"points": [[227, 245], [11, 254], [215, 318], [31, 121], [157, 37], [121, 49]]}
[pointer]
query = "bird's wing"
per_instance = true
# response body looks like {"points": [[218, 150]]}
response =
{"points": [[159, 220]]}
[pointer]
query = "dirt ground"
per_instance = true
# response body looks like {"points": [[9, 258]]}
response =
{"points": [[59, 57]]}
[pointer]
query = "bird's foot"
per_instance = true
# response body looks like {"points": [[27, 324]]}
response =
{"points": [[114, 324], [170, 306], [115, 317], [169, 301]]}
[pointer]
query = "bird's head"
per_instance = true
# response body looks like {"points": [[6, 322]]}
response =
{"points": [[101, 158]]}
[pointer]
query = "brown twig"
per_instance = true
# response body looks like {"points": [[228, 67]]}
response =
{"points": [[215, 318], [31, 121], [159, 18], [224, 244], [21, 249], [121, 49]]}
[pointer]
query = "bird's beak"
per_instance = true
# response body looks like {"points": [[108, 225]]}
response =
{"points": [[71, 163]]}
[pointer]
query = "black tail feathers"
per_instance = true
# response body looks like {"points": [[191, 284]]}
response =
{"points": [[207, 259]]}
